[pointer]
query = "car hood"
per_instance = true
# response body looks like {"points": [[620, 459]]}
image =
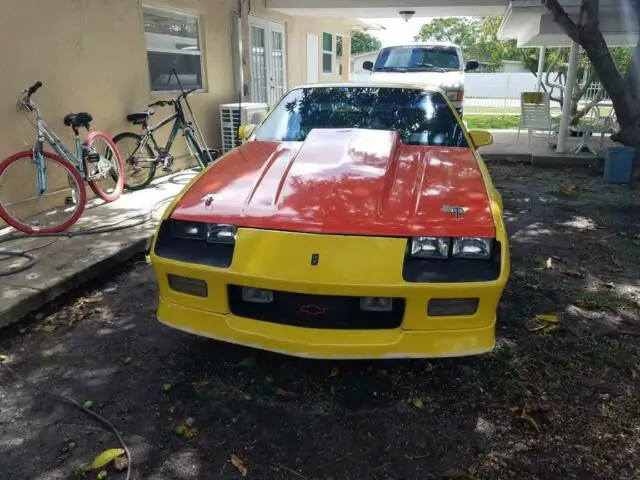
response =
{"points": [[444, 80], [348, 181]]}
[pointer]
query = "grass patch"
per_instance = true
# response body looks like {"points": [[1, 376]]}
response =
{"points": [[492, 122]]}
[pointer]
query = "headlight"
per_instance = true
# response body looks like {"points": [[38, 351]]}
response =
{"points": [[211, 232], [219, 233], [430, 247], [467, 247], [189, 230], [443, 247]]}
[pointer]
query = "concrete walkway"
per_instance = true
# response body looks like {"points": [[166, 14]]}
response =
{"points": [[66, 262], [507, 147]]}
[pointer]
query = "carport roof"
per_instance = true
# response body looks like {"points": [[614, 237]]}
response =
{"points": [[387, 8], [531, 24]]}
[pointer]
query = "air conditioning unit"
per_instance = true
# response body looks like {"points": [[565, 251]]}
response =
{"points": [[231, 119]]}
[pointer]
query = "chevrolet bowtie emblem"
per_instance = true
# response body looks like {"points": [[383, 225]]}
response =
{"points": [[456, 211], [313, 310], [208, 199]]}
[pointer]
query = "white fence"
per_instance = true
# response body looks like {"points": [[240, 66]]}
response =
{"points": [[496, 90]]}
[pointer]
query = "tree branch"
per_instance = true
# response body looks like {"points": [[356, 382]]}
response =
{"points": [[567, 25]]}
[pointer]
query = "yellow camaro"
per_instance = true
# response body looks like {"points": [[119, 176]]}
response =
{"points": [[358, 221]]}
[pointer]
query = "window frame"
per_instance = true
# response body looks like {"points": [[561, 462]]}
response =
{"points": [[340, 57], [327, 52], [200, 36]]}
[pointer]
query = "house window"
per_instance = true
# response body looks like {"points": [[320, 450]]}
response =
{"points": [[327, 53], [339, 53], [173, 48]]}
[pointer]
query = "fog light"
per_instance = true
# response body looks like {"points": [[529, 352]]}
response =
{"points": [[376, 304], [190, 286], [449, 307], [256, 295]]}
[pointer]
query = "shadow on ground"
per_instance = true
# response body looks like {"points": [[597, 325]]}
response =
{"points": [[575, 244]]}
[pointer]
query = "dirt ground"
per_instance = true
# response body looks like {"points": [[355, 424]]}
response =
{"points": [[556, 402]]}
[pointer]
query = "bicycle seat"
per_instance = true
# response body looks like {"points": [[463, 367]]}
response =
{"points": [[140, 117], [80, 119]]}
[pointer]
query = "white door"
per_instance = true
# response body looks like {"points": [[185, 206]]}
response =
{"points": [[313, 58], [268, 61], [277, 64]]}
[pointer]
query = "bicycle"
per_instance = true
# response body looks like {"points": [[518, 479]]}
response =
{"points": [[143, 156], [87, 164]]}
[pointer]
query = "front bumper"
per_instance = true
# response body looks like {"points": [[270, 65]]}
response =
{"points": [[348, 266]]}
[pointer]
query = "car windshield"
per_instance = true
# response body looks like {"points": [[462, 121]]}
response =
{"points": [[418, 58], [420, 117]]}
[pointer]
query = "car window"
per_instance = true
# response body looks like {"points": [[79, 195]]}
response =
{"points": [[420, 117], [418, 58]]}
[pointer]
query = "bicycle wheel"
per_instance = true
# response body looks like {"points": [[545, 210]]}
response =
{"points": [[101, 172], [139, 163], [25, 208]]}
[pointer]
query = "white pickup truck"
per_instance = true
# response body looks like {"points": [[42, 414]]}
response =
{"points": [[435, 64]]}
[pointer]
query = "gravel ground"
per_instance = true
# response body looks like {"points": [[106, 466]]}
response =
{"points": [[553, 401]]}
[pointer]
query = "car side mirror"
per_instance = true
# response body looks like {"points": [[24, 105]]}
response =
{"points": [[481, 138], [368, 65], [471, 65], [245, 131]]}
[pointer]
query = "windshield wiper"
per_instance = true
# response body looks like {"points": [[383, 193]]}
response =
{"points": [[428, 66], [389, 69]]}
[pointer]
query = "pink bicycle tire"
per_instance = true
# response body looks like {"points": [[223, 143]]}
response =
{"points": [[71, 170], [108, 197]]}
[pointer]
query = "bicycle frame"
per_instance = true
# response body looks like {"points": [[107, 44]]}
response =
{"points": [[180, 123], [45, 133]]}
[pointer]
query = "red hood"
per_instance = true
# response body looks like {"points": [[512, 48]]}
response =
{"points": [[351, 182]]}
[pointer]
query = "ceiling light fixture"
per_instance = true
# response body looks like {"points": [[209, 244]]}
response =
{"points": [[406, 14]]}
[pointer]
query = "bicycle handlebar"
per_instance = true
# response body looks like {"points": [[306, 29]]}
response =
{"points": [[166, 103], [160, 103], [34, 88]]}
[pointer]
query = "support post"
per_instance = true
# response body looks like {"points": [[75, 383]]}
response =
{"points": [[568, 94], [541, 58]]}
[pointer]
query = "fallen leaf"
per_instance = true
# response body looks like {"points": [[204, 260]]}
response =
{"points": [[190, 432], [3, 358], [528, 418], [126, 360], [49, 328], [457, 473], [417, 402], [236, 462], [334, 372], [547, 318], [172, 409], [247, 362], [102, 475], [285, 394], [106, 457], [548, 264], [180, 429], [166, 387], [120, 463], [189, 422], [201, 383], [88, 404]]}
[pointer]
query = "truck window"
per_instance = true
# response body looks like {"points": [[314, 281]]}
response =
{"points": [[418, 58]]}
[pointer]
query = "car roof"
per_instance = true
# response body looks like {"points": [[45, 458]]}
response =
{"points": [[377, 84], [423, 44]]}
